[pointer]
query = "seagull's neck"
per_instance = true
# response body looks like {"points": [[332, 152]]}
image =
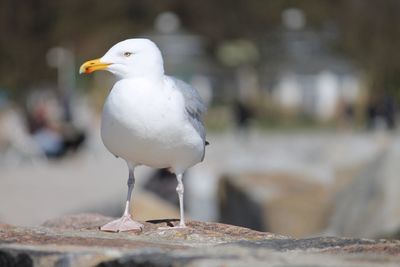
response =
{"points": [[148, 70], [152, 78], [155, 76]]}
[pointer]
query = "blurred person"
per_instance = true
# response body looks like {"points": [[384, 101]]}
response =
{"points": [[16, 143], [54, 137], [242, 115], [389, 110], [381, 110]]}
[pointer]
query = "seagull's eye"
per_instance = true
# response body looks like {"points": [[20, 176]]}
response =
{"points": [[128, 54]]}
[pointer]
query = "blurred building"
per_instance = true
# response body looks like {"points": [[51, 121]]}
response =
{"points": [[302, 73]]}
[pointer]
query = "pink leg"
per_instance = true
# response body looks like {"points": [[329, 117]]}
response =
{"points": [[125, 223], [179, 190]]}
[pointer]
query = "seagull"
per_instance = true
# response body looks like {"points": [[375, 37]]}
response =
{"points": [[148, 118]]}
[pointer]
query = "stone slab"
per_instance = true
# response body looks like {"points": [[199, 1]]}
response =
{"points": [[76, 241]]}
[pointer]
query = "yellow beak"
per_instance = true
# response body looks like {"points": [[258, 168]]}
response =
{"points": [[93, 65]]}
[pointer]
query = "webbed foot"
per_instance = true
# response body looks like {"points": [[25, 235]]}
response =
{"points": [[123, 224]]}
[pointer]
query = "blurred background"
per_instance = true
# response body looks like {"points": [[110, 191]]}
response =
{"points": [[302, 112]]}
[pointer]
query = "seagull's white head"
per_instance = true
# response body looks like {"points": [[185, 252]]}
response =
{"points": [[130, 58]]}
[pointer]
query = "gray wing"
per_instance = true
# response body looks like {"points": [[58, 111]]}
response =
{"points": [[194, 105]]}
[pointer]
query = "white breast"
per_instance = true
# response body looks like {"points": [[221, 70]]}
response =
{"points": [[145, 123]]}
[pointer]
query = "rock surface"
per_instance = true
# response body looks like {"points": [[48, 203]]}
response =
{"points": [[275, 202], [76, 241], [374, 196]]}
